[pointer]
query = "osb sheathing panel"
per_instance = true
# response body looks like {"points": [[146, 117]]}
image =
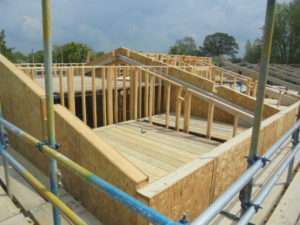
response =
{"points": [[83, 146], [229, 166], [230, 156], [245, 101], [184, 191], [226, 163], [199, 108], [21, 102]]}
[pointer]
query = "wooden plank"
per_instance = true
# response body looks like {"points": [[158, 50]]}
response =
{"points": [[71, 94], [187, 112], [151, 98], [135, 94], [103, 74], [168, 95], [83, 95], [178, 107], [94, 96], [146, 95], [159, 96], [124, 93], [8, 207], [140, 93], [116, 105], [18, 219], [210, 118], [110, 115], [235, 124], [287, 210], [61, 87]]}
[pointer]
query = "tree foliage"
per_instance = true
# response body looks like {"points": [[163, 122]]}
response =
{"points": [[253, 51], [4, 49], [185, 46], [286, 36], [219, 44], [72, 52]]}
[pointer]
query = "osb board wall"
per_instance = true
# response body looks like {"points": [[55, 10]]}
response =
{"points": [[21, 102], [230, 156], [82, 145], [181, 191], [243, 100], [223, 166], [199, 108]]}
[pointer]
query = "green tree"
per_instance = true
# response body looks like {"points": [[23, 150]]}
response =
{"points": [[19, 57], [253, 51], [219, 44], [286, 36], [4, 49], [95, 55], [73, 52], [185, 46], [36, 57]]}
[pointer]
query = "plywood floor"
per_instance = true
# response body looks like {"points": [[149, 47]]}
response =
{"points": [[155, 150], [273, 102], [198, 125]]}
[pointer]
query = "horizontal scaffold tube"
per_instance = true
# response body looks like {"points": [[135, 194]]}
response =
{"points": [[37, 185], [267, 188], [120, 196], [224, 199]]}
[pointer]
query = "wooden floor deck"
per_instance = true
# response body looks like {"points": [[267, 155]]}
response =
{"points": [[155, 150], [198, 125]]}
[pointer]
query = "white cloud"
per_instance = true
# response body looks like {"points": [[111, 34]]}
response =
{"points": [[32, 28]]}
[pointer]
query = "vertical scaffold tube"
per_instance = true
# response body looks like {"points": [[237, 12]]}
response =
{"points": [[47, 35], [245, 194], [3, 145]]}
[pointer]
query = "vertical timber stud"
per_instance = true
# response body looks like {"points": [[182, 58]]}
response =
{"points": [[245, 194], [47, 35]]}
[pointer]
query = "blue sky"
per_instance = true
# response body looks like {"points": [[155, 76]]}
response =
{"points": [[149, 26]]}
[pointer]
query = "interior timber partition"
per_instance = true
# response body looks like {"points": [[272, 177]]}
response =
{"points": [[23, 105], [192, 188]]}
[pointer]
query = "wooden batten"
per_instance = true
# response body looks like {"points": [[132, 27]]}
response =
{"points": [[124, 109], [210, 118], [168, 95], [146, 95], [116, 105], [152, 88], [71, 93], [110, 115], [104, 91], [94, 96], [140, 93], [235, 124], [187, 111], [83, 96], [178, 107], [61, 87]]}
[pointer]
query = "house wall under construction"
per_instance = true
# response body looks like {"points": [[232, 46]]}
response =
{"points": [[191, 188]]}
